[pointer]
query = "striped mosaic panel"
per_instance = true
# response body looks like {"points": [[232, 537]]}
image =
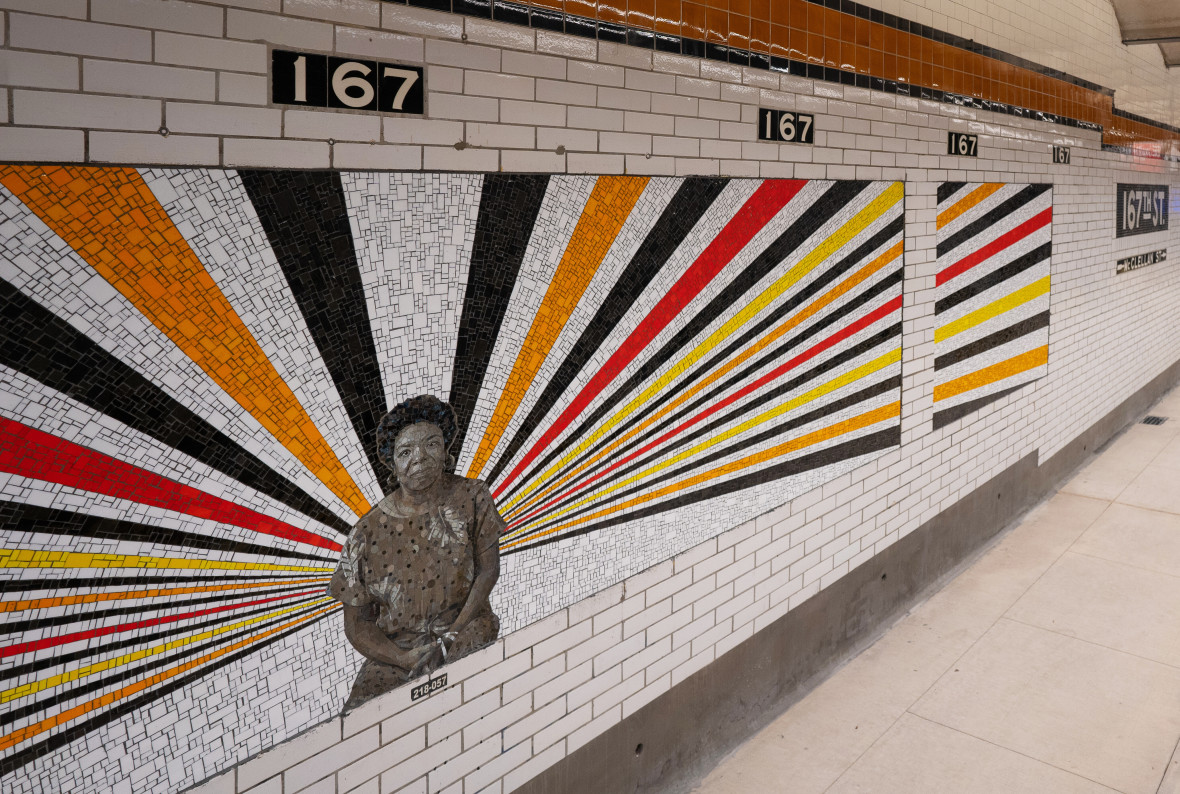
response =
{"points": [[195, 361], [994, 244]]}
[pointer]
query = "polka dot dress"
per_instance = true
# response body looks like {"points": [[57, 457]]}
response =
{"points": [[412, 573]]}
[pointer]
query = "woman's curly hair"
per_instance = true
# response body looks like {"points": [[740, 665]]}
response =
{"points": [[423, 408]]}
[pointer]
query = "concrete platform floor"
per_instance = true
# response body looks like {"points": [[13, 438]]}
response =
{"points": [[1050, 664]]}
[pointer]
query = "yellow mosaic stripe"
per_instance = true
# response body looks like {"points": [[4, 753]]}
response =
{"points": [[25, 558], [877, 364], [994, 309], [878, 207], [115, 223], [119, 661]]}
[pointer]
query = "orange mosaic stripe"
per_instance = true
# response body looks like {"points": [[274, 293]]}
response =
{"points": [[794, 321], [49, 723], [882, 414], [996, 372], [607, 209], [95, 598], [967, 202], [110, 217]]}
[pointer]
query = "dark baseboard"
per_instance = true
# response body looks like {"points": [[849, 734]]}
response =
{"points": [[688, 729]]}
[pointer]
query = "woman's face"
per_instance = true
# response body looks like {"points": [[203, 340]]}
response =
{"points": [[419, 456]]}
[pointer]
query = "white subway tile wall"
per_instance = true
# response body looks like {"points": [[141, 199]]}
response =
{"points": [[101, 82]]}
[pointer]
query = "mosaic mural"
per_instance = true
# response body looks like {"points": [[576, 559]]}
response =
{"points": [[195, 362], [992, 301]]}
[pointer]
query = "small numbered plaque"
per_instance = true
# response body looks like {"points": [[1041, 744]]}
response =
{"points": [[428, 687], [321, 81], [962, 144], [785, 126], [1061, 155]]}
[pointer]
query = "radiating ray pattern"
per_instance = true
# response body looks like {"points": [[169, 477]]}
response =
{"points": [[994, 244], [638, 364]]}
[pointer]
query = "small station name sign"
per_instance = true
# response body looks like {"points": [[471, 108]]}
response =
{"points": [[324, 81], [1140, 209], [785, 126], [1130, 263]]}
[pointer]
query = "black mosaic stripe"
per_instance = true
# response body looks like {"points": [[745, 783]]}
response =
{"points": [[38, 343], [1001, 337], [865, 445], [834, 363], [50, 621], [993, 216], [20, 517], [508, 209], [584, 27], [948, 189], [692, 199], [718, 391], [822, 209], [50, 660], [997, 276], [74, 583], [946, 416], [305, 216], [48, 745]]}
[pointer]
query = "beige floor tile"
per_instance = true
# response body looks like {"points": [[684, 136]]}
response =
{"points": [[815, 740], [1095, 712], [1135, 536], [1120, 463], [1171, 782], [1109, 603], [1156, 488], [1169, 457], [917, 756]]}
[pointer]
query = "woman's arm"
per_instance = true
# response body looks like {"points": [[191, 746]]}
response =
{"points": [[488, 527], [367, 638], [488, 571]]}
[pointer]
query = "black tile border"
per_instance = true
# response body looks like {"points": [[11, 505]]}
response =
{"points": [[642, 38]]}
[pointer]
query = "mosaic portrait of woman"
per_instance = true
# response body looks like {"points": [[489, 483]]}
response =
{"points": [[417, 570]]}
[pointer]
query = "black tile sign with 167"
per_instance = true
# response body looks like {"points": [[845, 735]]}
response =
{"points": [[785, 126], [963, 144], [319, 81]]}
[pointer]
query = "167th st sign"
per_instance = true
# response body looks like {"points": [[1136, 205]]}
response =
{"points": [[1141, 209]]}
